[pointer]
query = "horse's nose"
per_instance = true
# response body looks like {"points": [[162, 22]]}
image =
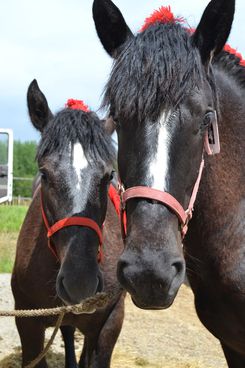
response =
{"points": [[74, 291], [153, 283]]}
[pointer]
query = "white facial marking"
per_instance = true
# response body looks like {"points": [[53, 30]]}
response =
{"points": [[79, 162], [159, 164]]}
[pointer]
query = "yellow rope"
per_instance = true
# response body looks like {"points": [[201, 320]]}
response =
{"points": [[47, 347], [89, 305]]}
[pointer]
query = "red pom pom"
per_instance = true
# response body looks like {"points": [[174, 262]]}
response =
{"points": [[165, 15], [162, 15], [77, 105], [232, 51]]}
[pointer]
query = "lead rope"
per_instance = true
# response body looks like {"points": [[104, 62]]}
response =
{"points": [[88, 306], [50, 342]]}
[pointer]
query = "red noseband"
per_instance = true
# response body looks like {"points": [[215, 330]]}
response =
{"points": [[212, 147], [163, 197], [71, 221]]}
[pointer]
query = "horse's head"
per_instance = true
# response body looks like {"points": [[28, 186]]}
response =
{"points": [[161, 94], [75, 158]]}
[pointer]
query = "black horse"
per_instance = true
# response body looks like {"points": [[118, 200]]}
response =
{"points": [[166, 89], [75, 158]]}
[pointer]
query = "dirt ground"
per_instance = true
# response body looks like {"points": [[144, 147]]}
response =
{"points": [[152, 339]]}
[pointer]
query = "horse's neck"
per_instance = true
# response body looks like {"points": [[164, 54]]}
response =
{"points": [[112, 229], [224, 176], [218, 223], [231, 96]]}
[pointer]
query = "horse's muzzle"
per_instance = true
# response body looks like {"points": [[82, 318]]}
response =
{"points": [[75, 291], [152, 281]]}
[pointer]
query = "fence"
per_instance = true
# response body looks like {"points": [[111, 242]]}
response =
{"points": [[24, 187]]}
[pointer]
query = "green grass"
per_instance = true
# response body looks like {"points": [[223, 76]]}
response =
{"points": [[11, 218], [7, 251], [6, 265]]}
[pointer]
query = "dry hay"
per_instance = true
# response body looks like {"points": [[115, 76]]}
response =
{"points": [[150, 339], [124, 360], [55, 360], [120, 359]]}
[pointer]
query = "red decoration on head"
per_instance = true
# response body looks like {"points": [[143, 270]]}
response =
{"points": [[77, 105], [234, 52], [162, 15], [165, 15]]}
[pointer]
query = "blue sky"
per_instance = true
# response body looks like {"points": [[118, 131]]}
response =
{"points": [[55, 42]]}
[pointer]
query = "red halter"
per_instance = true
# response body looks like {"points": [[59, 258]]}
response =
{"points": [[76, 221], [167, 199], [80, 221], [71, 221]]}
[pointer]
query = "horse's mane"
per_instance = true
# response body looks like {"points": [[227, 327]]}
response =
{"points": [[163, 40], [71, 126], [230, 59], [233, 64], [152, 86]]}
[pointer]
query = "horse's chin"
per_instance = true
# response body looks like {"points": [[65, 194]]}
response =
{"points": [[144, 306]]}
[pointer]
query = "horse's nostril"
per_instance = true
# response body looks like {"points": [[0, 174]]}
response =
{"points": [[100, 285], [122, 264], [61, 282], [125, 273], [62, 289], [178, 267]]}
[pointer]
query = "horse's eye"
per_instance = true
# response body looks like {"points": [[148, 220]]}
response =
{"points": [[208, 119], [112, 175], [44, 175]]}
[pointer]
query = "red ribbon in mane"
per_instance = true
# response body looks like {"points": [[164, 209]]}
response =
{"points": [[165, 15], [162, 15], [76, 105]]}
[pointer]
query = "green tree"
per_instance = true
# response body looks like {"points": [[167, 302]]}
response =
{"points": [[24, 166], [3, 152]]}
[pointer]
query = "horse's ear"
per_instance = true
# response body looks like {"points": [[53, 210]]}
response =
{"points": [[39, 111], [214, 28], [111, 26]]}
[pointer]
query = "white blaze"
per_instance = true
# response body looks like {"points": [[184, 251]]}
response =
{"points": [[79, 162], [159, 164]]}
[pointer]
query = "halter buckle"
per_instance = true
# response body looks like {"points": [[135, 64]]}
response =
{"points": [[189, 213], [121, 190]]}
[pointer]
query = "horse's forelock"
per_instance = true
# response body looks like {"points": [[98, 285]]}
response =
{"points": [[72, 126], [156, 69]]}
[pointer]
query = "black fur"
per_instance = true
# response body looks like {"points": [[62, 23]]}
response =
{"points": [[39, 111], [231, 64], [162, 66], [111, 26], [70, 126], [214, 28], [153, 73]]}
